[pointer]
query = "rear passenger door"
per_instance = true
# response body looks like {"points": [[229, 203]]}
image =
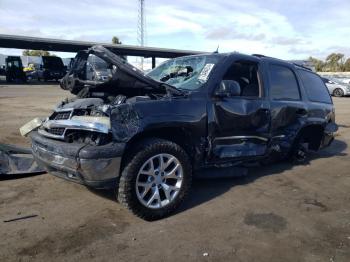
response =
{"points": [[288, 110]]}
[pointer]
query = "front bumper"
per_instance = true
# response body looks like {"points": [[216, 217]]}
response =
{"points": [[93, 166]]}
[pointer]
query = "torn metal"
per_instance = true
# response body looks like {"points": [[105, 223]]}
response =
{"points": [[17, 160]]}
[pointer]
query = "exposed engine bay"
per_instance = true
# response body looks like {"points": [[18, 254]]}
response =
{"points": [[87, 117], [88, 120]]}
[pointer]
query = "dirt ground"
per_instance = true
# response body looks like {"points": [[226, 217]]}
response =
{"points": [[277, 213]]}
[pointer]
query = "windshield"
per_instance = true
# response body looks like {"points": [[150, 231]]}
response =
{"points": [[187, 73]]}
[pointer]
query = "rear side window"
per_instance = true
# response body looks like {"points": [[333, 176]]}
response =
{"points": [[315, 87], [284, 85]]}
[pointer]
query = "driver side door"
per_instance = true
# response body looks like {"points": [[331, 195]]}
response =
{"points": [[240, 124]]}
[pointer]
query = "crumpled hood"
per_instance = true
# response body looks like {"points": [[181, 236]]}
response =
{"points": [[124, 75]]}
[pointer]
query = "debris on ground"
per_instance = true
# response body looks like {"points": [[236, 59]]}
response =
{"points": [[20, 218], [17, 160]]}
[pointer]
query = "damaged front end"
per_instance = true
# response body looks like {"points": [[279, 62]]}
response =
{"points": [[84, 138], [76, 143]]}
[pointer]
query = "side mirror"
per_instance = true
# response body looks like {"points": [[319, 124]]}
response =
{"points": [[228, 88]]}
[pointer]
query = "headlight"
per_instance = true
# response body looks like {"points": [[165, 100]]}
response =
{"points": [[348, 88]]}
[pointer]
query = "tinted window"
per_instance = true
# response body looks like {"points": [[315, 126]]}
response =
{"points": [[315, 87], [284, 85]]}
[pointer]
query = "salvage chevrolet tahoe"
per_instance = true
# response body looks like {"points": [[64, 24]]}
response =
{"points": [[147, 135]]}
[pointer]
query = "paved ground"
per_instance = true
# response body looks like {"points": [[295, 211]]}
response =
{"points": [[278, 213]]}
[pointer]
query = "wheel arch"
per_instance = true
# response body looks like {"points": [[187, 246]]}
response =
{"points": [[313, 135], [178, 135]]}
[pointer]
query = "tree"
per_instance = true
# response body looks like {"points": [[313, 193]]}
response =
{"points": [[318, 64], [334, 62], [36, 53], [347, 65], [116, 41]]}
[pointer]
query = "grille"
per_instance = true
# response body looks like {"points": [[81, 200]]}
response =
{"points": [[62, 115], [58, 131]]}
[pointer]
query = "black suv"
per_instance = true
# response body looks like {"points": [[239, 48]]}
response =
{"points": [[52, 68], [148, 135]]}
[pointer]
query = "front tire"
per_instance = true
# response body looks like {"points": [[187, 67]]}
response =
{"points": [[338, 92], [156, 179]]}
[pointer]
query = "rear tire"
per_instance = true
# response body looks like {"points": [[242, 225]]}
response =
{"points": [[156, 179], [338, 92], [299, 153]]}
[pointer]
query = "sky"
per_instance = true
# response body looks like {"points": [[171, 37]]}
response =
{"points": [[285, 29]]}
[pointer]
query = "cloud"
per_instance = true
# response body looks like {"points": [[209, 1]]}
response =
{"points": [[281, 40], [293, 29], [231, 33]]}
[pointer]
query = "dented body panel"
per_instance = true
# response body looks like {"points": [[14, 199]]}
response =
{"points": [[215, 128]]}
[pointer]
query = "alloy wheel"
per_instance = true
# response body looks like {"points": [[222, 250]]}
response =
{"points": [[159, 181]]}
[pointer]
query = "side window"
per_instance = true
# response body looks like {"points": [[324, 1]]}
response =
{"points": [[245, 73], [314, 87], [284, 85]]}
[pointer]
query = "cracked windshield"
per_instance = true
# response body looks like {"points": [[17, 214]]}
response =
{"points": [[185, 73]]}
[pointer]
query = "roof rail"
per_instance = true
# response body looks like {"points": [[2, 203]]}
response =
{"points": [[258, 55], [304, 67]]}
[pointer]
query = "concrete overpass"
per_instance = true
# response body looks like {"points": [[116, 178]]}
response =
{"points": [[59, 45]]}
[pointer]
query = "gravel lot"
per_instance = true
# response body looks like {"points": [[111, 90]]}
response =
{"points": [[277, 213]]}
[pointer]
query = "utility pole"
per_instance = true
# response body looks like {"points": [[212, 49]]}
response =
{"points": [[141, 26]]}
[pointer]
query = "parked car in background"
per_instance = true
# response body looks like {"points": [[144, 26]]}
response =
{"points": [[52, 68], [344, 80], [336, 88]]}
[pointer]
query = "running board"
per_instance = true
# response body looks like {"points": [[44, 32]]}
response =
{"points": [[221, 172]]}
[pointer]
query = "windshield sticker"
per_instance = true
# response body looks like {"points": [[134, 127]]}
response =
{"points": [[203, 76]]}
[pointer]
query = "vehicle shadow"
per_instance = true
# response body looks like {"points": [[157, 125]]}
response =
{"points": [[204, 190], [4, 177]]}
